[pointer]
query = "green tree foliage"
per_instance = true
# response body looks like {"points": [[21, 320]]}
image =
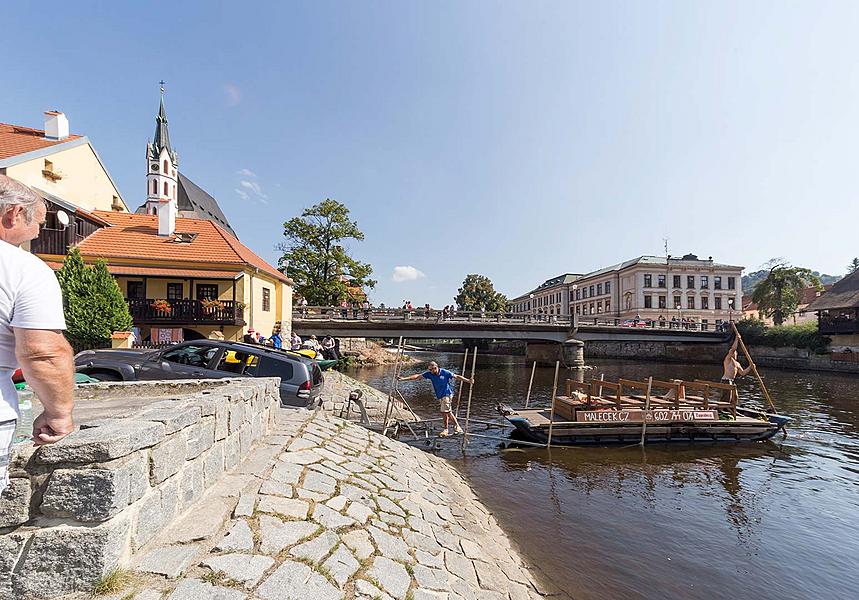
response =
{"points": [[478, 293], [853, 266], [779, 293], [805, 335], [318, 262], [93, 303]]}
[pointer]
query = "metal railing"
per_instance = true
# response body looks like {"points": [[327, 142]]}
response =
{"points": [[145, 310]]}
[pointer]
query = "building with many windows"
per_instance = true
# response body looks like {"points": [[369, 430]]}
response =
{"points": [[652, 288]]}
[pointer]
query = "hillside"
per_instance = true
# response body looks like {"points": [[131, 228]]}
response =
{"points": [[752, 279]]}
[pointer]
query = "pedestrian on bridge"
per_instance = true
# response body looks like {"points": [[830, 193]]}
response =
{"points": [[441, 382]]}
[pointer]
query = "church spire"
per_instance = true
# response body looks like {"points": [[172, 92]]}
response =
{"points": [[162, 169], [162, 134]]}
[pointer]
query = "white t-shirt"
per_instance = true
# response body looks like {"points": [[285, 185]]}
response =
{"points": [[30, 298]]}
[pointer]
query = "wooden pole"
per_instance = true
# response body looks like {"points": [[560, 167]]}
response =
{"points": [[393, 386], [646, 408], [530, 383], [552, 410], [468, 406], [754, 367], [459, 391]]}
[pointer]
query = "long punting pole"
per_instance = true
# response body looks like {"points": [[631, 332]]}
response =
{"points": [[394, 376], [468, 406], [754, 367], [459, 391], [530, 383], [646, 408], [552, 413]]}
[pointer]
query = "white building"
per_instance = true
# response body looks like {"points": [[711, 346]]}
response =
{"points": [[552, 297]]}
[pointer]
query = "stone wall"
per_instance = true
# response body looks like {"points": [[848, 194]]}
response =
{"points": [[77, 509], [656, 350], [335, 392], [799, 359]]}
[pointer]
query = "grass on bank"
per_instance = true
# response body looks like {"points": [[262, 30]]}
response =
{"points": [[113, 582]]}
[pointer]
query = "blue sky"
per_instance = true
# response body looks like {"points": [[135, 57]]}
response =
{"points": [[514, 139]]}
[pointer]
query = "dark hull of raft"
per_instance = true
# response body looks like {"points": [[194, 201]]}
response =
{"points": [[582, 434]]}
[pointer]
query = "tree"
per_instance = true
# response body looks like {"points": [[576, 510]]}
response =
{"points": [[478, 293], [853, 266], [779, 293], [93, 304], [318, 262]]}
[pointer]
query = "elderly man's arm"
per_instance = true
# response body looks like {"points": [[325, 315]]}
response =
{"points": [[46, 361]]}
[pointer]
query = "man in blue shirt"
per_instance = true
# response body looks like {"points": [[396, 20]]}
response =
{"points": [[441, 382]]}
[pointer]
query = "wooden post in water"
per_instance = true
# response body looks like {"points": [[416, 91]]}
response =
{"points": [[646, 408], [468, 406], [459, 391], [754, 367], [530, 383], [552, 410], [393, 386]]}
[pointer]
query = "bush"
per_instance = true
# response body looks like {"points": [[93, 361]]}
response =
{"points": [[92, 302], [755, 332]]}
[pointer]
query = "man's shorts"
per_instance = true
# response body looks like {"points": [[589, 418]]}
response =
{"points": [[7, 434], [444, 403]]}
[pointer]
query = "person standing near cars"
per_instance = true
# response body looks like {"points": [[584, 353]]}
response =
{"points": [[31, 324]]}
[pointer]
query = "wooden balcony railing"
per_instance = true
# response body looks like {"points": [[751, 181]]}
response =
{"points": [[838, 326], [191, 312], [54, 241]]}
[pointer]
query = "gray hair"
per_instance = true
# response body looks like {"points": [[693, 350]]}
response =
{"points": [[14, 193]]}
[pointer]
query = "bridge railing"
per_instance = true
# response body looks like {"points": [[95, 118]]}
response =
{"points": [[336, 313], [422, 314]]}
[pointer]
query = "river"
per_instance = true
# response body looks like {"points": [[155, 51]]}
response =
{"points": [[773, 519]]}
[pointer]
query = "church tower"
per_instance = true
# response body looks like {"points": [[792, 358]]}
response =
{"points": [[162, 169]]}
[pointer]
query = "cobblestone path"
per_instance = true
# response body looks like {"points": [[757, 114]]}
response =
{"points": [[327, 510]]}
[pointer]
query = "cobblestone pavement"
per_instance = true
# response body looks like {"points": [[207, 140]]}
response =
{"points": [[327, 510]]}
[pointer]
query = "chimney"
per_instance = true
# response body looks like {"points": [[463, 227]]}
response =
{"points": [[167, 217], [56, 125]]}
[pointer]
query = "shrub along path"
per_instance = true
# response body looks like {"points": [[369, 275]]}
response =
{"points": [[327, 510]]}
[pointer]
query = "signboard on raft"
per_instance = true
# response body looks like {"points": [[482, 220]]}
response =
{"points": [[640, 416]]}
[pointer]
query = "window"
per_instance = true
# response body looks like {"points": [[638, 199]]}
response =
{"points": [[155, 186], [584, 292], [690, 302], [648, 280], [705, 282], [717, 303], [599, 306], [572, 296], [578, 294], [608, 287], [661, 301], [732, 283], [607, 305], [648, 302], [240, 363], [660, 281], [195, 356], [136, 290], [690, 281], [591, 291], [676, 301], [174, 291], [271, 367], [705, 303], [578, 309], [165, 188], [207, 291], [717, 283], [599, 289], [677, 281], [592, 308], [266, 299], [166, 167]]}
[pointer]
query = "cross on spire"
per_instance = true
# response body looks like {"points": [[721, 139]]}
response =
{"points": [[162, 82]]}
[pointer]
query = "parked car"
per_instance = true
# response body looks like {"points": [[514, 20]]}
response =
{"points": [[300, 377], [635, 323]]}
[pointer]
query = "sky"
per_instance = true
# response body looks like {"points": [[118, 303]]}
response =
{"points": [[518, 140]]}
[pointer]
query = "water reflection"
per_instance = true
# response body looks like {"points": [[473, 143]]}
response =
{"points": [[774, 519]]}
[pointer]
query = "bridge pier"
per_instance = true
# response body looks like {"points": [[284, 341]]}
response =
{"points": [[571, 353]]}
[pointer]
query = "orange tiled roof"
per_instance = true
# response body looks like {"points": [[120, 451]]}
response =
{"points": [[15, 140], [159, 271], [133, 235]]}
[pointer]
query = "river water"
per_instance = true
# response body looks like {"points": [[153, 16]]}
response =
{"points": [[777, 519]]}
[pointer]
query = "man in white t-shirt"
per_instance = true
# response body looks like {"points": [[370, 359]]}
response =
{"points": [[31, 324]]}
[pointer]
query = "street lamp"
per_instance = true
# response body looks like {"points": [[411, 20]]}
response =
{"points": [[730, 309]]}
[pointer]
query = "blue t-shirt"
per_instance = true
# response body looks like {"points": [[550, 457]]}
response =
{"points": [[441, 383]]}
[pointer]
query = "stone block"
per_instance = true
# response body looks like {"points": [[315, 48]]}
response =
{"points": [[222, 418], [245, 440], [138, 475], [21, 460], [300, 582], [114, 439], [15, 502], [174, 415], [11, 547], [247, 569], [167, 457], [171, 561], [65, 559], [169, 499], [237, 416], [213, 464], [194, 589], [150, 519], [93, 494], [190, 483], [232, 454], [200, 437]]}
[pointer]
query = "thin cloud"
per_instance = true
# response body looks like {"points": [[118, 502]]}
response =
{"points": [[255, 190], [243, 194], [246, 173], [233, 94], [406, 273]]}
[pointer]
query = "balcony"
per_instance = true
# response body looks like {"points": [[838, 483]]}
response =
{"points": [[54, 241], [186, 312], [838, 326]]}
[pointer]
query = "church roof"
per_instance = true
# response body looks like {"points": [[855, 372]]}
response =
{"points": [[193, 198]]}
